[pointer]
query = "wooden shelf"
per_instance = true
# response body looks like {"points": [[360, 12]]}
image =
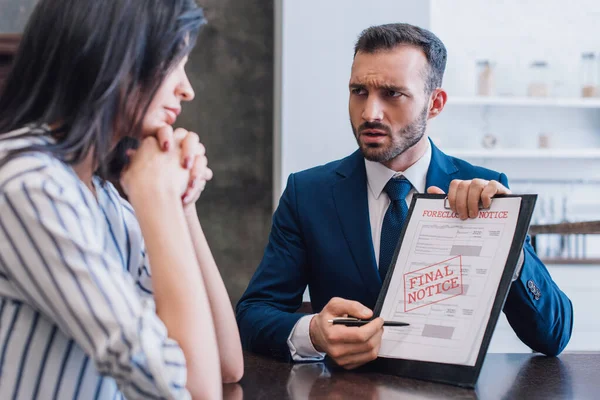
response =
{"points": [[9, 43], [567, 228], [571, 261], [8, 47], [509, 101]]}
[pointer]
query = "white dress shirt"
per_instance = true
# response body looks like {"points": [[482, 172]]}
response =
{"points": [[299, 343]]}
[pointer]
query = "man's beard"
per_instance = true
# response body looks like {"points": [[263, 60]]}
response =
{"points": [[401, 140]]}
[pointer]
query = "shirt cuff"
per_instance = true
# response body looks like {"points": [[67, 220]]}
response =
{"points": [[299, 343], [519, 266]]}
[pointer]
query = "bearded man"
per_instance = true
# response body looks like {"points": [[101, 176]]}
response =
{"points": [[337, 225]]}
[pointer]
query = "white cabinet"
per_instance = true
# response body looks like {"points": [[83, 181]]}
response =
{"points": [[582, 285]]}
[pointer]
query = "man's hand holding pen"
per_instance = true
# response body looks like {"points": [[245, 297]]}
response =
{"points": [[349, 347]]}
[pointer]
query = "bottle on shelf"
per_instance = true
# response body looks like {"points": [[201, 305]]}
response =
{"points": [[485, 78], [544, 140], [538, 79], [489, 141], [598, 75], [589, 75]]}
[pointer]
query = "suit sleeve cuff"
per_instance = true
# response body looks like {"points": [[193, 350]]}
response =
{"points": [[299, 343]]}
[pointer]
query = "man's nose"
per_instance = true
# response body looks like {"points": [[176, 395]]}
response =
{"points": [[373, 110]]}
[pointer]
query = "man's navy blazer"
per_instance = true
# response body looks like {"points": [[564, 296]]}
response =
{"points": [[321, 237]]}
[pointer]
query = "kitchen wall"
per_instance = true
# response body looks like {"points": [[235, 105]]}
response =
{"points": [[231, 69], [513, 33], [14, 14]]}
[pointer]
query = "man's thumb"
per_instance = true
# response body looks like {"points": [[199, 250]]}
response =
{"points": [[339, 307], [435, 190]]}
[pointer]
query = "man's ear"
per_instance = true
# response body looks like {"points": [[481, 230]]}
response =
{"points": [[438, 101]]}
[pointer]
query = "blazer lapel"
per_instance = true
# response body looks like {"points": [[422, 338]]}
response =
{"points": [[441, 169], [350, 196]]}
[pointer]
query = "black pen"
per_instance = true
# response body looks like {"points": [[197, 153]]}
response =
{"points": [[350, 321]]}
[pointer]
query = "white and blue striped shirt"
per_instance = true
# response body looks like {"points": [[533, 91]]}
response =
{"points": [[77, 318]]}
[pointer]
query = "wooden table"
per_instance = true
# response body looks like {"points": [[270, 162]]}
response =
{"points": [[504, 376]]}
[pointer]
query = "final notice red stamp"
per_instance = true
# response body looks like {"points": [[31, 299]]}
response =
{"points": [[432, 284]]}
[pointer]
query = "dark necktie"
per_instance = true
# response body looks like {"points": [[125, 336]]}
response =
{"points": [[397, 189]]}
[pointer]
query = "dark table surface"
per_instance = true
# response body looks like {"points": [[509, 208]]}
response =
{"points": [[504, 376]]}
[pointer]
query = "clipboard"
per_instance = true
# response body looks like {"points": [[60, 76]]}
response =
{"points": [[447, 373]]}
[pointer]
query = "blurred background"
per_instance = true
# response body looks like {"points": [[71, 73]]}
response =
{"points": [[523, 79]]}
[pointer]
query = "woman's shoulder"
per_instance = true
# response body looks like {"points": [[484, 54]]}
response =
{"points": [[36, 171], [34, 168]]}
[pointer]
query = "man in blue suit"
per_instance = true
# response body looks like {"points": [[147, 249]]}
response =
{"points": [[337, 225]]}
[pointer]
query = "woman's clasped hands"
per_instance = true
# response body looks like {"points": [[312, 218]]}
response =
{"points": [[172, 162]]}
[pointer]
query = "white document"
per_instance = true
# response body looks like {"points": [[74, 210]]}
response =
{"points": [[445, 281]]}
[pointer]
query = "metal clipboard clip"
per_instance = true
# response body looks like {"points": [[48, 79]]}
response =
{"points": [[447, 204]]}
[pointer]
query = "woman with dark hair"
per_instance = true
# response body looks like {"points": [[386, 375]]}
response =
{"points": [[82, 314]]}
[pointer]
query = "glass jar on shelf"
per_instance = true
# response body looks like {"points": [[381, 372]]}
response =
{"points": [[598, 75], [486, 85], [538, 79], [589, 75]]}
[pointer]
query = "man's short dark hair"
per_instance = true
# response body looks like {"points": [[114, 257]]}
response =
{"points": [[387, 37]]}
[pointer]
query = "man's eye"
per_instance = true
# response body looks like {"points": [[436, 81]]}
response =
{"points": [[393, 93], [358, 91]]}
